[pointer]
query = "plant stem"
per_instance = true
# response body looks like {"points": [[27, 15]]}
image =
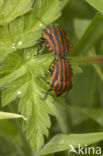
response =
{"points": [[85, 60]]}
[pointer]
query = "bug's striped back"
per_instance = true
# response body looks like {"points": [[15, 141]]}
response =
{"points": [[57, 41], [61, 76]]}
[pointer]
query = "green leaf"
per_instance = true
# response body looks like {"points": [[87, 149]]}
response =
{"points": [[36, 111], [20, 70], [23, 81], [96, 4], [62, 142], [26, 30], [6, 115], [93, 33], [11, 9], [50, 10], [13, 75], [15, 89]]}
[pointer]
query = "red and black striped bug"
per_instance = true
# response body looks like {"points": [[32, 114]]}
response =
{"points": [[56, 40], [61, 76]]}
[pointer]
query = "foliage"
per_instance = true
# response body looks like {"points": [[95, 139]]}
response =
{"points": [[5, 115], [22, 75], [60, 142], [10, 9], [98, 5]]}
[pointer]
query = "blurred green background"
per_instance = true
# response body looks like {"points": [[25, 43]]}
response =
{"points": [[80, 111]]}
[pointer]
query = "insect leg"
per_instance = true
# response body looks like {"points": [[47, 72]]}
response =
{"points": [[46, 93], [40, 42]]}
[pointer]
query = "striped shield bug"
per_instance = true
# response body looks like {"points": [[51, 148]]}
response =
{"points": [[57, 41], [61, 76]]}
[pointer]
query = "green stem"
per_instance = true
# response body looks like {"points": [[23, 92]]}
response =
{"points": [[85, 60]]}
